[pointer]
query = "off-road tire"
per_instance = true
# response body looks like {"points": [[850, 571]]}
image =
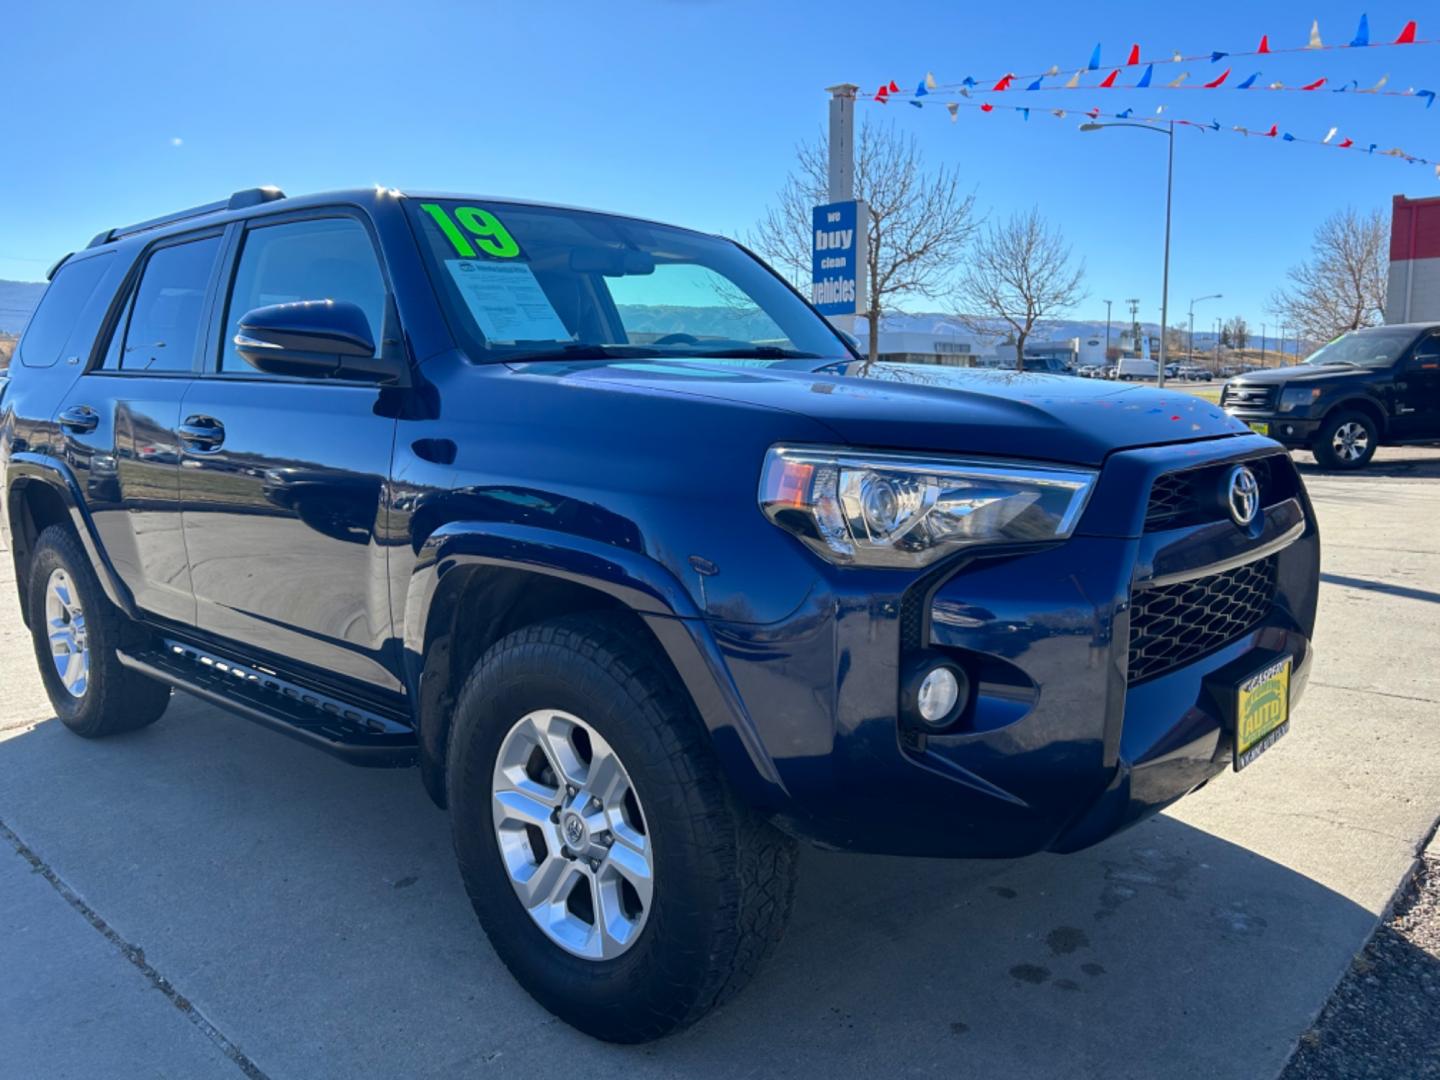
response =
{"points": [[116, 698], [724, 878], [1324, 445]]}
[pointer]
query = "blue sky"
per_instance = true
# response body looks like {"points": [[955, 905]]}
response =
{"points": [[689, 112]]}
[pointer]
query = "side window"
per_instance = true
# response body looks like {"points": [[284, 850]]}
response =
{"points": [[1427, 351], [167, 313], [323, 259], [49, 330]]}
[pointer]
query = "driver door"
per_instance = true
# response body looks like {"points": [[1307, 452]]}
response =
{"points": [[1417, 391]]}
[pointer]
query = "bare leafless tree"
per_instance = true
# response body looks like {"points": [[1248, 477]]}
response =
{"points": [[920, 219], [1018, 271], [1342, 285], [1237, 332]]}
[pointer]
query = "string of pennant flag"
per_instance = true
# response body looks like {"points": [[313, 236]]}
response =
{"points": [[1079, 80], [1329, 140], [970, 88]]}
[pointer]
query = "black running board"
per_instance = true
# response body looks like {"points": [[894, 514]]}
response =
{"points": [[356, 735]]}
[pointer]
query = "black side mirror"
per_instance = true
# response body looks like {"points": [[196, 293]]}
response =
{"points": [[316, 339]]}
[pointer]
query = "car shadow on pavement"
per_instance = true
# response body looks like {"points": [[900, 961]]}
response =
{"points": [[1390, 465], [312, 912]]}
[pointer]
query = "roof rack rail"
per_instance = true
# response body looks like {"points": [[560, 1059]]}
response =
{"points": [[238, 201]]}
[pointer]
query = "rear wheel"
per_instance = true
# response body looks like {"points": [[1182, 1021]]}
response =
{"points": [[614, 873], [76, 632], [1347, 440]]}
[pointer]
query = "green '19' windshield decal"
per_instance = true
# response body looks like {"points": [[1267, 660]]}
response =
{"points": [[491, 237]]}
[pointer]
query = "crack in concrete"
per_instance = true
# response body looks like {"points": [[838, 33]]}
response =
{"points": [[135, 955], [1377, 693]]}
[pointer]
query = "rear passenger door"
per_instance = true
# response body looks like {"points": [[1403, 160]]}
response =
{"points": [[118, 422], [283, 478]]}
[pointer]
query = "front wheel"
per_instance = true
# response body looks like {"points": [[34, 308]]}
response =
{"points": [[612, 870], [1347, 440]]}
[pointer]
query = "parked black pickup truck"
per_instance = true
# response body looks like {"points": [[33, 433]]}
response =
{"points": [[1366, 388]]}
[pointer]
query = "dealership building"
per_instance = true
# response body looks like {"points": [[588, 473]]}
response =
{"points": [[1413, 294]]}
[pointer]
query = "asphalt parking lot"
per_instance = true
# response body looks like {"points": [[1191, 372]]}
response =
{"points": [[206, 899]]}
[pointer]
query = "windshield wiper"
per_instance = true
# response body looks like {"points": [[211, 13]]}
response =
{"points": [[757, 352], [588, 350]]}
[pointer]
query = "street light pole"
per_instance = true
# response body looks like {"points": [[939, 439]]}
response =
{"points": [[1106, 361], [1169, 133]]}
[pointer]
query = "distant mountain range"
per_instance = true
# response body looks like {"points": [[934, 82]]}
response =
{"points": [[17, 301]]}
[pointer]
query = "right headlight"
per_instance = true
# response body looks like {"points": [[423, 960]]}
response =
{"points": [[878, 509]]}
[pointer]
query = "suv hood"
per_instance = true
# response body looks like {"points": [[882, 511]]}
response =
{"points": [[927, 407], [1303, 373]]}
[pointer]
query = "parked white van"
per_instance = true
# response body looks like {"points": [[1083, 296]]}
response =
{"points": [[1136, 367]]}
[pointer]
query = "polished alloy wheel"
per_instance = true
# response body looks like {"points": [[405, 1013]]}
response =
{"points": [[1351, 441], [572, 835], [65, 624]]}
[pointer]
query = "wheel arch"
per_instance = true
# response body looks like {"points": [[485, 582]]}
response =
{"points": [[1367, 405], [41, 492], [476, 582]]}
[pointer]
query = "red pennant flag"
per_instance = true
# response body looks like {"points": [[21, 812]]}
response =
{"points": [[1109, 80], [1407, 36], [1004, 84], [1264, 44], [882, 94], [893, 88], [1274, 131], [1093, 114], [1134, 56], [1346, 144], [987, 107], [1314, 85], [1213, 83]]}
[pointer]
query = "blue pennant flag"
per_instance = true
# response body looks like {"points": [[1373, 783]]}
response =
{"points": [[1288, 137], [1428, 95], [1371, 148], [1351, 85], [1216, 57], [1125, 115], [1094, 64], [1026, 113], [1036, 84], [1362, 36], [1145, 79], [1248, 82], [917, 104], [1214, 125], [968, 81], [920, 90]]}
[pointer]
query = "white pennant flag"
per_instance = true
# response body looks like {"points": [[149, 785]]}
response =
{"points": [[1331, 134], [929, 81], [1315, 42], [954, 111]]}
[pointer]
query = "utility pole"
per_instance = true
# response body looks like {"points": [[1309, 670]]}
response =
{"points": [[1262, 344], [1135, 326], [1217, 346], [1106, 360]]}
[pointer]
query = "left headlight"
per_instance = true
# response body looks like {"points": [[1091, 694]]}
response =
{"points": [[881, 509], [1297, 397]]}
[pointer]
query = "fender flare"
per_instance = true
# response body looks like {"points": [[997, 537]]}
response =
{"points": [[641, 585], [26, 467], [1365, 402]]}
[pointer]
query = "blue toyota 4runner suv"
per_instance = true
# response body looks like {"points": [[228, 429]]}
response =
{"points": [[601, 525]]}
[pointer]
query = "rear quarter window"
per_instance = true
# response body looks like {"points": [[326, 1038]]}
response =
{"points": [[54, 323]]}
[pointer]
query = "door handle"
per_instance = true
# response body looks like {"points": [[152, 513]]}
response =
{"points": [[80, 419], [201, 433]]}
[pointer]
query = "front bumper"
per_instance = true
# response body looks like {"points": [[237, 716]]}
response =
{"points": [[1294, 432], [1058, 749]]}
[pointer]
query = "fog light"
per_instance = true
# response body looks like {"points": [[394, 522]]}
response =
{"points": [[938, 695]]}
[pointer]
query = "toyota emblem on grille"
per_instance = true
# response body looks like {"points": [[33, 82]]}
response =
{"points": [[1242, 495]]}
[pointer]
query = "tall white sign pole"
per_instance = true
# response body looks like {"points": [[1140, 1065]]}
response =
{"points": [[842, 176]]}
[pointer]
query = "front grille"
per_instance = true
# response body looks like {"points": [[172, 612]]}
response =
{"points": [[1173, 625], [1243, 396], [1197, 496]]}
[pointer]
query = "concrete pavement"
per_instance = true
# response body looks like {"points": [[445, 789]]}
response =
{"points": [[205, 898]]}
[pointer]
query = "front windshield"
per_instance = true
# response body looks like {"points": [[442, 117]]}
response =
{"points": [[522, 282], [1379, 347]]}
